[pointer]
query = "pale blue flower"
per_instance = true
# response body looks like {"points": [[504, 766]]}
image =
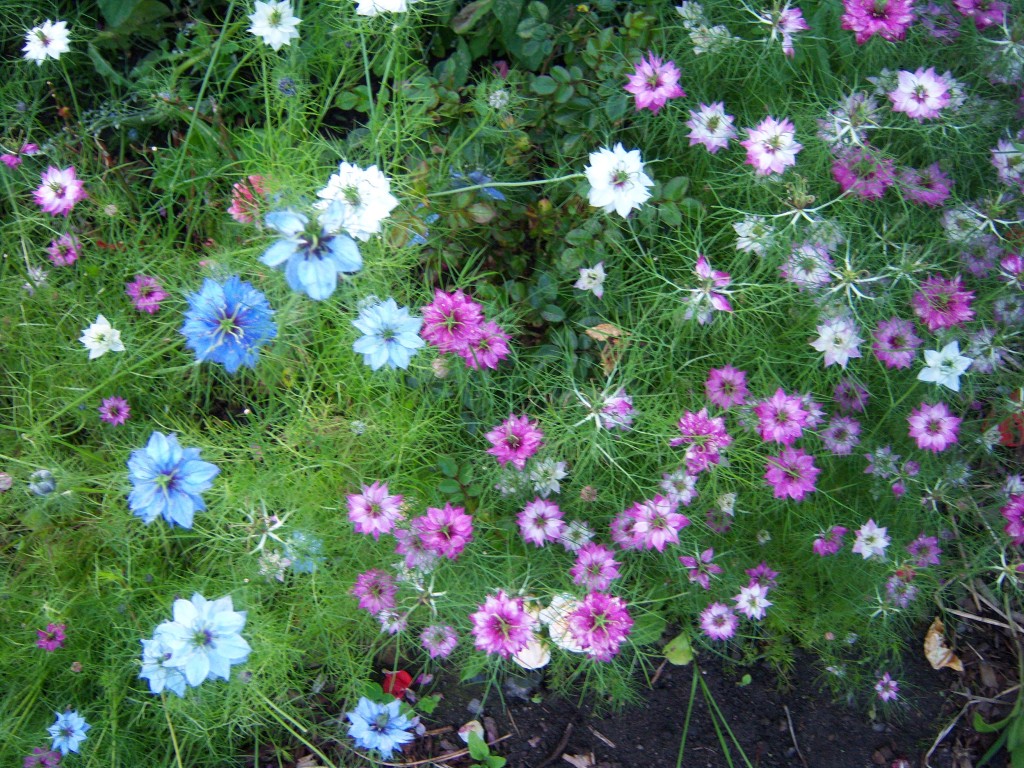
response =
{"points": [[312, 254], [379, 726], [204, 639], [68, 731], [304, 551], [155, 654], [228, 323], [167, 480], [392, 335]]}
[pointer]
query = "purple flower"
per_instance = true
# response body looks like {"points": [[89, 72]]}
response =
{"points": [[146, 293], [654, 82], [115, 411]]}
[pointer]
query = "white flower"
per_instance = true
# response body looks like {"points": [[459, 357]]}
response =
{"points": [[617, 180], [100, 338], [752, 601], [374, 7], [838, 340], [546, 475], [275, 23], [753, 234], [871, 541], [592, 279], [356, 200], [945, 366], [47, 41], [535, 655], [556, 618]]}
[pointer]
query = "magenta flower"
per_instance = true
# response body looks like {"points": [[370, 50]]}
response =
{"points": [[920, 95], [654, 83], [864, 172], [985, 13], [60, 191], [726, 386], [502, 625], [439, 640], [42, 758], [376, 591], [895, 342], [64, 250], [711, 127], [1013, 514], [781, 418], [925, 551], [656, 523], [943, 303], [146, 293], [374, 511], [762, 574], [616, 411], [934, 427], [771, 146], [411, 547], [718, 621], [792, 473], [701, 568], [595, 568], [488, 349], [445, 531], [704, 436], [515, 440], [51, 638], [927, 186], [115, 411], [829, 542], [710, 296], [841, 436], [541, 522], [600, 625], [452, 321], [889, 19], [887, 688]]}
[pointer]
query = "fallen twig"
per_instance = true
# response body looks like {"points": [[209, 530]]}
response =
{"points": [[562, 743], [792, 735]]}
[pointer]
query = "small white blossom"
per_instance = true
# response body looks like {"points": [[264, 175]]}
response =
{"points": [[871, 541], [617, 180], [47, 41], [944, 367], [546, 475], [592, 279], [356, 200], [275, 23], [100, 338], [376, 7]]}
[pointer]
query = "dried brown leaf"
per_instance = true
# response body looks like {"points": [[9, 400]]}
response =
{"points": [[936, 651]]}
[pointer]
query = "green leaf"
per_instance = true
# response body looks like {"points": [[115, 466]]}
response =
{"points": [[103, 68], [543, 85], [465, 473], [647, 628], [116, 12], [670, 214], [981, 726], [507, 13], [475, 489], [552, 313], [679, 651], [467, 18], [448, 466], [616, 106], [478, 749], [427, 704], [676, 188], [449, 486]]}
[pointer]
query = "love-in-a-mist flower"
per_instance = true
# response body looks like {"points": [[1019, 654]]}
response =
{"points": [[592, 279], [841, 435], [945, 366], [51, 638], [771, 146], [895, 342], [546, 475], [617, 180], [42, 758], [378, 726], [934, 427], [47, 41], [871, 541], [1013, 513], [168, 480], [376, 7], [864, 172], [452, 321], [541, 522], [705, 438], [361, 198], [515, 440], [375, 589], [887, 688], [781, 418], [445, 530], [654, 82], [889, 19], [488, 348], [985, 13], [246, 199], [374, 511], [829, 542], [205, 638], [718, 621], [227, 323], [927, 186], [312, 255], [502, 625], [101, 337], [146, 293], [391, 335], [617, 411], [701, 568], [68, 731], [115, 410], [711, 126], [943, 302], [59, 191], [600, 625], [656, 523], [920, 95], [710, 296], [838, 340], [925, 551], [792, 473], [275, 23], [439, 640], [726, 386], [752, 601], [595, 567], [64, 250]]}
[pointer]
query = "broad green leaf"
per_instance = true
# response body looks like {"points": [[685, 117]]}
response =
{"points": [[679, 651]]}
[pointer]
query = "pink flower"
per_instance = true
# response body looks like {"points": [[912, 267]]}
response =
{"points": [[13, 160], [488, 349], [64, 250], [439, 640], [452, 321], [850, 396], [889, 19], [985, 13], [864, 172], [711, 127], [502, 625], [895, 342], [752, 601], [541, 522], [411, 547], [654, 83], [515, 440], [888, 689], [726, 386], [718, 621], [934, 427], [245, 207], [600, 625], [376, 591], [704, 437], [373, 511], [51, 638], [595, 568], [871, 541], [1013, 514], [656, 523], [60, 191], [943, 303], [146, 293], [782, 418], [710, 296], [680, 486], [617, 411], [771, 146], [792, 473], [700, 568], [921, 94], [928, 186], [115, 411], [829, 542], [445, 531]]}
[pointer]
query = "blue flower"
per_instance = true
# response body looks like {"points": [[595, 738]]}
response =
{"points": [[304, 551], [392, 335], [68, 731], [167, 480], [204, 639], [228, 323], [379, 726], [313, 255], [155, 653]]}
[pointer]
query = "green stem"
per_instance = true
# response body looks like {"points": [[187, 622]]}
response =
{"points": [[689, 713], [507, 185], [170, 726]]}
